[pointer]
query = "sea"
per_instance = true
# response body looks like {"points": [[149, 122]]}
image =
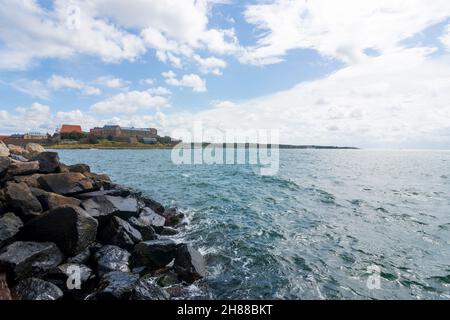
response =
{"points": [[330, 224]]}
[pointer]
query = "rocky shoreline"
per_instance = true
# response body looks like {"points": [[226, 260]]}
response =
{"points": [[67, 233]]}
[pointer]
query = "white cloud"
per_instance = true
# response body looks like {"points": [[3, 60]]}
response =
{"points": [[129, 102], [445, 38], [160, 91], [210, 64], [224, 104], [188, 80], [148, 81], [337, 29], [112, 82], [33, 88], [56, 82]]}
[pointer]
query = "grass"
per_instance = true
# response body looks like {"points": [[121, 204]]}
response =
{"points": [[106, 144]]}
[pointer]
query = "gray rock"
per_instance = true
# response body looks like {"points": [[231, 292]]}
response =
{"points": [[4, 165], [126, 207], [154, 254], [111, 258], [167, 231], [103, 207], [4, 150], [81, 168], [31, 181], [48, 162], [146, 230], [120, 233], [62, 273], [20, 168], [20, 198], [36, 289], [173, 216], [82, 258], [147, 289], [50, 200], [9, 227], [151, 218], [154, 205], [116, 286], [18, 157], [111, 192], [189, 263], [71, 228], [24, 259], [69, 183]]}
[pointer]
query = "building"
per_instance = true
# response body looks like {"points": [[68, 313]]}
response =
{"points": [[68, 128], [149, 140], [35, 136], [115, 132], [3, 138]]}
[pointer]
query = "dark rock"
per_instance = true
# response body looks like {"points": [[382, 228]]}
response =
{"points": [[67, 184], [146, 230], [24, 259], [168, 279], [99, 180], [120, 233], [173, 216], [103, 207], [167, 231], [71, 228], [189, 263], [147, 289], [48, 162], [81, 168], [36, 289], [82, 258], [19, 168], [65, 276], [5, 293], [151, 218], [9, 227], [116, 286], [4, 165], [50, 200], [154, 205], [111, 192], [20, 198], [18, 157], [30, 181], [111, 258], [154, 254]]}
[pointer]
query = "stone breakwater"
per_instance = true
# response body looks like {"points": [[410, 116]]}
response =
{"points": [[68, 233]]}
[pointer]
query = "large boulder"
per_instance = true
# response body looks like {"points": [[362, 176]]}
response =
{"points": [[81, 168], [17, 150], [4, 165], [34, 149], [146, 230], [154, 205], [36, 289], [67, 184], [102, 207], [50, 200], [154, 254], [151, 218], [48, 162], [116, 286], [99, 180], [71, 228], [10, 225], [173, 216], [120, 233], [62, 273], [24, 259], [20, 198], [4, 151], [31, 181], [189, 263], [110, 192], [21, 168], [111, 258], [147, 289]]}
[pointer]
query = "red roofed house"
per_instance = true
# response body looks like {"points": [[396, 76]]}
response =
{"points": [[67, 128]]}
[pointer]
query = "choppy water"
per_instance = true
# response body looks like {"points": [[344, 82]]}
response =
{"points": [[312, 231]]}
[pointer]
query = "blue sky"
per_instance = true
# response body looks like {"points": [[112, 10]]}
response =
{"points": [[371, 74]]}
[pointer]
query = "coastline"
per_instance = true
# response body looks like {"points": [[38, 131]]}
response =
{"points": [[67, 233]]}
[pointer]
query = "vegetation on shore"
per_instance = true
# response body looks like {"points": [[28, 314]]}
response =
{"points": [[107, 144]]}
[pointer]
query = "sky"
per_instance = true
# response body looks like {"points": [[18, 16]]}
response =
{"points": [[371, 74]]}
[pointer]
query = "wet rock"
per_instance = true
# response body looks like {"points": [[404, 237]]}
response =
{"points": [[151, 218], [126, 207], [20, 168], [4, 151], [111, 258], [120, 233], [189, 263], [48, 162], [71, 228], [24, 259], [116, 286], [168, 279], [173, 216], [154, 254], [20, 198], [34, 149], [146, 230], [167, 231], [82, 258], [9, 227], [36, 289], [62, 273], [5, 293], [51, 200], [17, 150], [98, 193], [102, 207], [81, 168], [67, 184], [99, 180], [30, 181], [4, 165], [147, 289], [154, 205]]}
